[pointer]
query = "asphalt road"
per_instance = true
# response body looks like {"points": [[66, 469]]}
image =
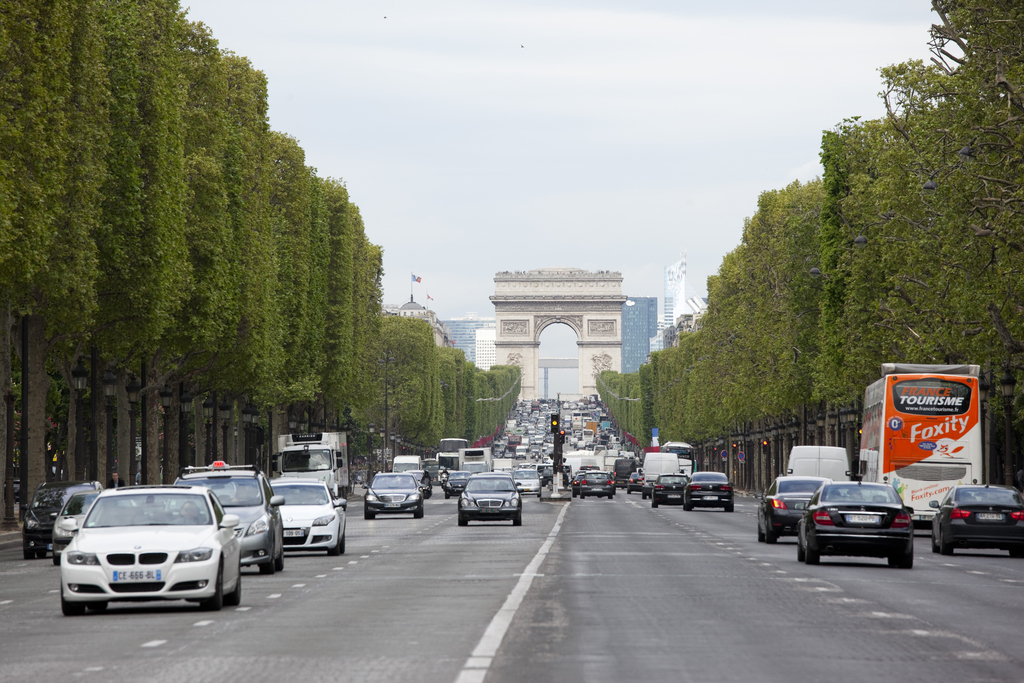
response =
{"points": [[594, 591]]}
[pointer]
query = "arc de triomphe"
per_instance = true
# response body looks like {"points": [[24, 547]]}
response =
{"points": [[589, 302]]}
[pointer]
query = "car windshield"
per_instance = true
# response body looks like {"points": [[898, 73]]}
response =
{"points": [[54, 496], [490, 485], [232, 491], [526, 474], [805, 486], [149, 509], [854, 493], [391, 481], [79, 503], [458, 475], [302, 494], [710, 478], [990, 496], [597, 478], [672, 480], [306, 461]]}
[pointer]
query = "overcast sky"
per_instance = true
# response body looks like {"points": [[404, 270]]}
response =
{"points": [[508, 135]]}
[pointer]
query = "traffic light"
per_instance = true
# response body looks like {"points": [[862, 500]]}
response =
{"points": [[554, 423]]}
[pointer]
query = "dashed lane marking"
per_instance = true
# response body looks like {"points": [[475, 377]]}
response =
{"points": [[204, 622], [154, 643], [273, 596], [298, 585]]}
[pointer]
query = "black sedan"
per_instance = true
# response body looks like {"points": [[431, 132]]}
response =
{"points": [[393, 492], [859, 519], [577, 481], [708, 490], [979, 517], [597, 484], [490, 495], [635, 483], [49, 498], [782, 505], [668, 489], [456, 484]]}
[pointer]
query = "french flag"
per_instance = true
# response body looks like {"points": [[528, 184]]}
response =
{"points": [[417, 279]]}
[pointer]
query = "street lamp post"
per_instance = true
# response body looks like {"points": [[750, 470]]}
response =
{"points": [[988, 476], [819, 435], [10, 522], [1007, 384], [225, 415], [165, 460], [184, 412], [369, 452], [80, 378], [133, 390], [110, 390], [208, 405], [247, 412]]}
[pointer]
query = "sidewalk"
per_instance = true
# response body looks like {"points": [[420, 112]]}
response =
{"points": [[8, 538]]}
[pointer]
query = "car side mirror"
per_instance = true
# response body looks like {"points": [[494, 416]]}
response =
{"points": [[933, 504], [759, 495], [68, 524], [230, 521], [53, 515], [277, 500], [341, 503]]}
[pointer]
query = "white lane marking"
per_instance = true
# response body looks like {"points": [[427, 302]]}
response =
{"points": [[242, 609], [474, 670], [93, 668], [6, 602], [364, 557], [377, 551], [204, 622], [971, 571], [273, 596], [298, 585], [55, 590], [337, 569], [154, 643], [320, 576], [353, 561]]}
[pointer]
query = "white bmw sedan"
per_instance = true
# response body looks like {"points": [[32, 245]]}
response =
{"points": [[313, 518], [151, 543]]}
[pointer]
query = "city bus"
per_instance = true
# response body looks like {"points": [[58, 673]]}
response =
{"points": [[922, 432]]}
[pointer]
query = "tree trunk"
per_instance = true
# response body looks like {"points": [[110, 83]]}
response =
{"points": [[6, 323], [154, 442], [34, 414], [200, 432], [171, 434]]}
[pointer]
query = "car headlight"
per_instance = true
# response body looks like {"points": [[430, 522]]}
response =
{"points": [[30, 523], [370, 498], [82, 558], [324, 521], [260, 526], [468, 503], [62, 533], [414, 496], [195, 555]]}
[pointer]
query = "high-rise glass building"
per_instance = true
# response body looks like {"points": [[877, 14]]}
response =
{"points": [[639, 324], [463, 332], [486, 352], [675, 290]]}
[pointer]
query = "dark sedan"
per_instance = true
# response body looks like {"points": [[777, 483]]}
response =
{"points": [[490, 496], [635, 483], [49, 498], [393, 493], [576, 482], [668, 490], [708, 490], [782, 505], [859, 519], [979, 517], [456, 484], [597, 484]]}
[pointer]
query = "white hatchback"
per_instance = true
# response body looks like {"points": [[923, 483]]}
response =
{"points": [[151, 543], [313, 518]]}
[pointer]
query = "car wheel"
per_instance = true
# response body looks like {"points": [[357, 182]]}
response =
{"points": [[728, 508], [760, 533], [903, 560], [944, 548], [770, 537], [234, 598], [463, 521], [447, 495], [654, 502], [70, 609], [369, 515], [687, 506], [812, 556], [96, 606], [279, 562], [214, 603], [1016, 552], [935, 545], [336, 550], [56, 559], [628, 492], [538, 496], [418, 514], [518, 519], [28, 554], [800, 555], [341, 545], [267, 567]]}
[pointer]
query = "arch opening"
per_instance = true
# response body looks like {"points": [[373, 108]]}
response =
{"points": [[558, 340]]}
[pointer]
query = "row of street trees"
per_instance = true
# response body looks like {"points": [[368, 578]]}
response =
{"points": [[909, 249]]}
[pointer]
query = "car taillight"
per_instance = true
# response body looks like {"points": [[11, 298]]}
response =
{"points": [[725, 488], [780, 504], [1017, 515], [822, 517], [959, 513], [659, 486], [695, 487], [611, 482], [902, 520]]}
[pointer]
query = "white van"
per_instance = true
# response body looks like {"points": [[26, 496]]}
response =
{"points": [[406, 463], [656, 464], [819, 461], [577, 460]]}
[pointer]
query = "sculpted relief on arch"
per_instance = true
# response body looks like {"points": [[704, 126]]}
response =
{"points": [[599, 363], [542, 321]]}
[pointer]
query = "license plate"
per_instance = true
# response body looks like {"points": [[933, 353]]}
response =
{"points": [[989, 516], [489, 509], [393, 505], [862, 519], [674, 495], [710, 497], [137, 575], [49, 546], [289, 533]]}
